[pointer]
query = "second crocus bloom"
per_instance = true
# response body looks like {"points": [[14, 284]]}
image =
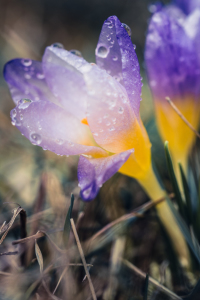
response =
{"points": [[173, 69]]}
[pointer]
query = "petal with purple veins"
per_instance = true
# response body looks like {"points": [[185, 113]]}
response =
{"points": [[47, 125], [116, 54], [63, 75], [25, 79], [92, 173]]}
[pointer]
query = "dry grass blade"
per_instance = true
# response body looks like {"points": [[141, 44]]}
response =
{"points": [[182, 116], [153, 281], [38, 235], [39, 256], [61, 277], [17, 211], [9, 253], [83, 259]]}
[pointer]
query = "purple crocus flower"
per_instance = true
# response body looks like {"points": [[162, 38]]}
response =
{"points": [[71, 107], [173, 68]]}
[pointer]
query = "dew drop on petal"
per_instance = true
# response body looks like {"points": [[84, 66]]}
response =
{"points": [[59, 141], [76, 52], [24, 103], [26, 62], [27, 76], [21, 117], [115, 58], [40, 76], [127, 29], [58, 45], [111, 128], [102, 51], [71, 144], [35, 138], [95, 133], [120, 110], [14, 113], [134, 46]]}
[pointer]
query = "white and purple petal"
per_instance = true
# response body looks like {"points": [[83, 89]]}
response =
{"points": [[171, 59], [47, 125], [115, 53], [62, 70], [92, 173], [25, 79]]}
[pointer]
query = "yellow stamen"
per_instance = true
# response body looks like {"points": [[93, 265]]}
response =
{"points": [[84, 121]]}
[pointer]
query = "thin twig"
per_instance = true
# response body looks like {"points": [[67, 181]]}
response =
{"points": [[61, 277], [9, 253], [83, 259], [182, 116], [153, 281]]}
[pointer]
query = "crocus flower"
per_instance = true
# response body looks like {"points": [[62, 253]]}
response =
{"points": [[173, 68], [71, 107]]}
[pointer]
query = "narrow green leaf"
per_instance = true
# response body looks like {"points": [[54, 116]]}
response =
{"points": [[174, 181], [188, 210], [195, 292], [146, 285], [67, 226], [39, 256], [183, 227]]}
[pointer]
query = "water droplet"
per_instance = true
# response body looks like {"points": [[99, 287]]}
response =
{"points": [[24, 103], [112, 42], [101, 130], [105, 116], [13, 123], [111, 128], [109, 38], [21, 117], [99, 121], [108, 124], [109, 24], [115, 58], [102, 51], [114, 120], [35, 138], [134, 46], [59, 141], [127, 29], [40, 76], [120, 110], [71, 144], [95, 133], [27, 76], [76, 52], [26, 62], [58, 45], [13, 113]]}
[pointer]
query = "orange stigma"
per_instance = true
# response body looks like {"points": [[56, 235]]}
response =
{"points": [[84, 121]]}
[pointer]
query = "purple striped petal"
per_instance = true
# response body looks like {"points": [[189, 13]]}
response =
{"points": [[187, 5], [47, 125], [92, 173], [109, 114], [171, 59], [115, 53], [63, 75], [25, 79]]}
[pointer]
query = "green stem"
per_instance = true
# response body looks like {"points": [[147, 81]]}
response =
{"points": [[155, 192]]}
